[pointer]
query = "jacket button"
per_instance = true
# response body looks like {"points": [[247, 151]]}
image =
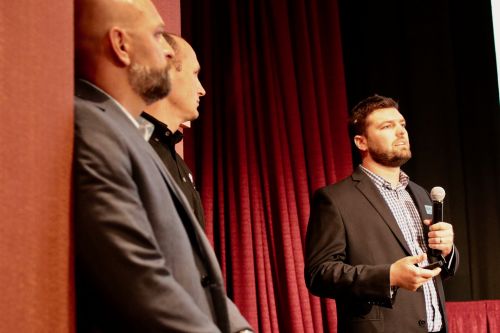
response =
{"points": [[422, 323], [205, 281]]}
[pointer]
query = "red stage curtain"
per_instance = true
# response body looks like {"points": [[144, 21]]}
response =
{"points": [[273, 128], [474, 317], [467, 317], [493, 314]]}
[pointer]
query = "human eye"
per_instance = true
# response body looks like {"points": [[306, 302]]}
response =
{"points": [[160, 34]]}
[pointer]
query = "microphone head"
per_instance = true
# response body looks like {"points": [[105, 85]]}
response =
{"points": [[438, 194]]}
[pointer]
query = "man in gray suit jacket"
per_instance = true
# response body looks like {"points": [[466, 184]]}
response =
{"points": [[368, 235], [143, 264]]}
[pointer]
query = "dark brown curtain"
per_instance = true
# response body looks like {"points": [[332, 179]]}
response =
{"points": [[272, 129]]}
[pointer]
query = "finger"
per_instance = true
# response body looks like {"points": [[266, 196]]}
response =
{"points": [[437, 240], [433, 240], [442, 246], [429, 273], [417, 259], [436, 271], [441, 226], [443, 240], [441, 233], [439, 246]]}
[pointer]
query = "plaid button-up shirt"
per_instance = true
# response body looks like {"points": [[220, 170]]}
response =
{"points": [[406, 214]]}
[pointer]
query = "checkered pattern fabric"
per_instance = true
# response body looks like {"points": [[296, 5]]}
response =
{"points": [[406, 214]]}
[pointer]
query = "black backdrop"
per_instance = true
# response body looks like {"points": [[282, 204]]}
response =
{"points": [[437, 58]]}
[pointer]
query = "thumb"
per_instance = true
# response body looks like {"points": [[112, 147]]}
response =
{"points": [[427, 222], [418, 259]]}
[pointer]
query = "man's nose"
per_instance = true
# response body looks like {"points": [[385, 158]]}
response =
{"points": [[201, 90], [401, 130]]}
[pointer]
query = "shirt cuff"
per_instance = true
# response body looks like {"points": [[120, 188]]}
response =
{"points": [[451, 256]]}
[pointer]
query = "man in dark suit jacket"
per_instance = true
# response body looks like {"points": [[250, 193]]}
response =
{"points": [[143, 264], [368, 235]]}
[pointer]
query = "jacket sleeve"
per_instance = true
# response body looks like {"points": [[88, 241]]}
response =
{"points": [[328, 272], [236, 320], [450, 268]]}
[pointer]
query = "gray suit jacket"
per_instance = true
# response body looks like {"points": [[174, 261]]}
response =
{"points": [[352, 239], [143, 264]]}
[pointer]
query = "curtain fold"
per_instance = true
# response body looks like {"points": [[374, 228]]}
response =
{"points": [[273, 128]]}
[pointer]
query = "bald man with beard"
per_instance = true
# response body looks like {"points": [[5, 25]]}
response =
{"points": [[143, 263]]}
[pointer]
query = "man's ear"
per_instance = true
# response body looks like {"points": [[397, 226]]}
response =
{"points": [[119, 42], [360, 142]]}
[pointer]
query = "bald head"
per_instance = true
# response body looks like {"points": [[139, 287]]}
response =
{"points": [[182, 103], [120, 47], [94, 19], [181, 48]]}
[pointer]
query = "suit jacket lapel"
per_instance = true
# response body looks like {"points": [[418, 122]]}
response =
{"points": [[420, 203], [371, 193]]}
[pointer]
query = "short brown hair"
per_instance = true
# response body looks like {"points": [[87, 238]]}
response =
{"points": [[357, 121]]}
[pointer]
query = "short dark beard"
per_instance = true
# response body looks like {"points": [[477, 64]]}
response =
{"points": [[390, 160], [151, 84]]}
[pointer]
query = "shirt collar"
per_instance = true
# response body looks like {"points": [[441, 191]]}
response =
{"points": [[146, 128], [162, 131], [404, 179]]}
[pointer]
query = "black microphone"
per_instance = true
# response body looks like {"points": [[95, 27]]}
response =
{"points": [[437, 196]]}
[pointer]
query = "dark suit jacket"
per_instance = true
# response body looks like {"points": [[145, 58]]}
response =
{"points": [[352, 239], [143, 264]]}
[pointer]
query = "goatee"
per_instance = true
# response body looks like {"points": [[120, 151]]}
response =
{"points": [[151, 84], [394, 159]]}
